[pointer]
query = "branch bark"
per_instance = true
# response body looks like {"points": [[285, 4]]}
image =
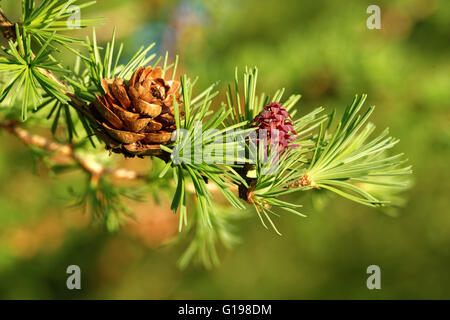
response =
{"points": [[92, 167], [6, 26]]}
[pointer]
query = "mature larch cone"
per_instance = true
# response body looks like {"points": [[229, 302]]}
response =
{"points": [[138, 116]]}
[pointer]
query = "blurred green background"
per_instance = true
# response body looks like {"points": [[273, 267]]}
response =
{"points": [[321, 49]]}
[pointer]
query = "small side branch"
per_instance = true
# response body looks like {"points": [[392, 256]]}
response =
{"points": [[8, 31], [6, 26], [92, 167]]}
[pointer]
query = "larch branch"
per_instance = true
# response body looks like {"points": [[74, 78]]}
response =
{"points": [[92, 167], [8, 31]]}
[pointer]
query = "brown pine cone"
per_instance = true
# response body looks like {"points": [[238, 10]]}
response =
{"points": [[138, 116]]}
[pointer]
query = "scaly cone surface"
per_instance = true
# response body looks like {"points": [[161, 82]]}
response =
{"points": [[138, 116]]}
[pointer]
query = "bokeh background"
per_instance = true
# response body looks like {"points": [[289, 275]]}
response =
{"points": [[321, 49]]}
